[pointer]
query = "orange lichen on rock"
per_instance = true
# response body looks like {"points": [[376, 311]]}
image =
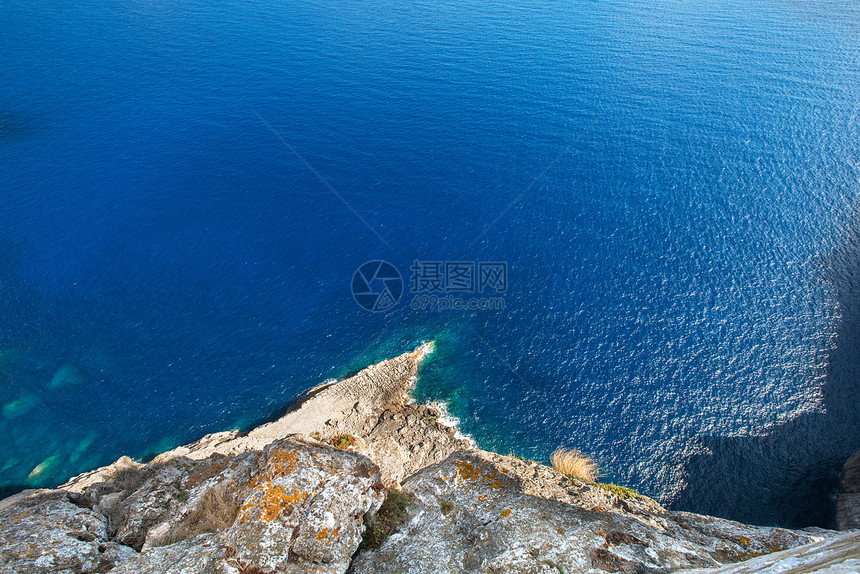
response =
{"points": [[467, 471], [281, 462], [275, 500], [324, 533], [505, 513]]}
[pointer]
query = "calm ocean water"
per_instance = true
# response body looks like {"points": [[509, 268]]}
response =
{"points": [[671, 185]]}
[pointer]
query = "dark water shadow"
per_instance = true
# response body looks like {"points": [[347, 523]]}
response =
{"points": [[789, 477], [8, 490], [15, 126]]}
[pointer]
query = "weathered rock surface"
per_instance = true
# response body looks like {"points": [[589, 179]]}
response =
{"points": [[282, 499], [839, 555], [42, 531], [304, 508], [848, 503], [292, 507], [482, 512], [203, 553]]}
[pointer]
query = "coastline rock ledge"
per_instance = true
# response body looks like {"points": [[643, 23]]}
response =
{"points": [[353, 458]]}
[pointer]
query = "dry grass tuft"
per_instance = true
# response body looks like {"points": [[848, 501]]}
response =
{"points": [[574, 464], [215, 511], [130, 478]]}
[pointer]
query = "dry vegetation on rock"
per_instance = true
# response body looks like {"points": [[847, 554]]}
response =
{"points": [[391, 514], [215, 511], [574, 464]]}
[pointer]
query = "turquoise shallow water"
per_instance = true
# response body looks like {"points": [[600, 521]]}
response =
{"points": [[187, 188]]}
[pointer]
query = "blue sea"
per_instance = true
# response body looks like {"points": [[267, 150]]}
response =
{"points": [[187, 189]]}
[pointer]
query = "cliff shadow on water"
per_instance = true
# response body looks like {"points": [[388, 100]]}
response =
{"points": [[790, 476]]}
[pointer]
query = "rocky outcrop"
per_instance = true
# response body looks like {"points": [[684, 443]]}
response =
{"points": [[43, 531], [481, 512], [297, 495], [371, 406], [848, 503], [289, 506], [838, 555]]}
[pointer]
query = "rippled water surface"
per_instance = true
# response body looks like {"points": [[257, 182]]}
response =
{"points": [[186, 189]]}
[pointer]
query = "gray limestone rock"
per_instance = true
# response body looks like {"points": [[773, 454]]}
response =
{"points": [[304, 505], [43, 531], [503, 517], [848, 503]]}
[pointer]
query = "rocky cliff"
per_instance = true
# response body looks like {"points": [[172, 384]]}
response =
{"points": [[356, 479], [848, 503]]}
